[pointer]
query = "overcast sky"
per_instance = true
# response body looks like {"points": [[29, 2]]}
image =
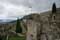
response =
{"points": [[10, 9]]}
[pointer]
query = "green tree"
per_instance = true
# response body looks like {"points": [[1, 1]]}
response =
{"points": [[18, 26], [54, 8]]}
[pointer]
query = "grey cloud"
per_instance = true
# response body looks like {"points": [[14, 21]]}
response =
{"points": [[1, 9], [16, 2], [35, 4]]}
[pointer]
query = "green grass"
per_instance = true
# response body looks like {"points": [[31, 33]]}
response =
{"points": [[17, 38]]}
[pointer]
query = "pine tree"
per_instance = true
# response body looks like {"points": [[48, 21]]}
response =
{"points": [[54, 8], [18, 26]]}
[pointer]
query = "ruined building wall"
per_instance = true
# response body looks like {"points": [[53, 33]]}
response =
{"points": [[47, 28], [32, 30]]}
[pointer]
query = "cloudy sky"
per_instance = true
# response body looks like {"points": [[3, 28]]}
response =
{"points": [[11, 9]]}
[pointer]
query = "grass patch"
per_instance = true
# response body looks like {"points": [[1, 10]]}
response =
{"points": [[17, 38]]}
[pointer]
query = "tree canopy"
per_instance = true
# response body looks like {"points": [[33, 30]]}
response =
{"points": [[18, 26], [54, 8]]}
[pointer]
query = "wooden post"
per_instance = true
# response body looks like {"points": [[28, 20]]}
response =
{"points": [[7, 37]]}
